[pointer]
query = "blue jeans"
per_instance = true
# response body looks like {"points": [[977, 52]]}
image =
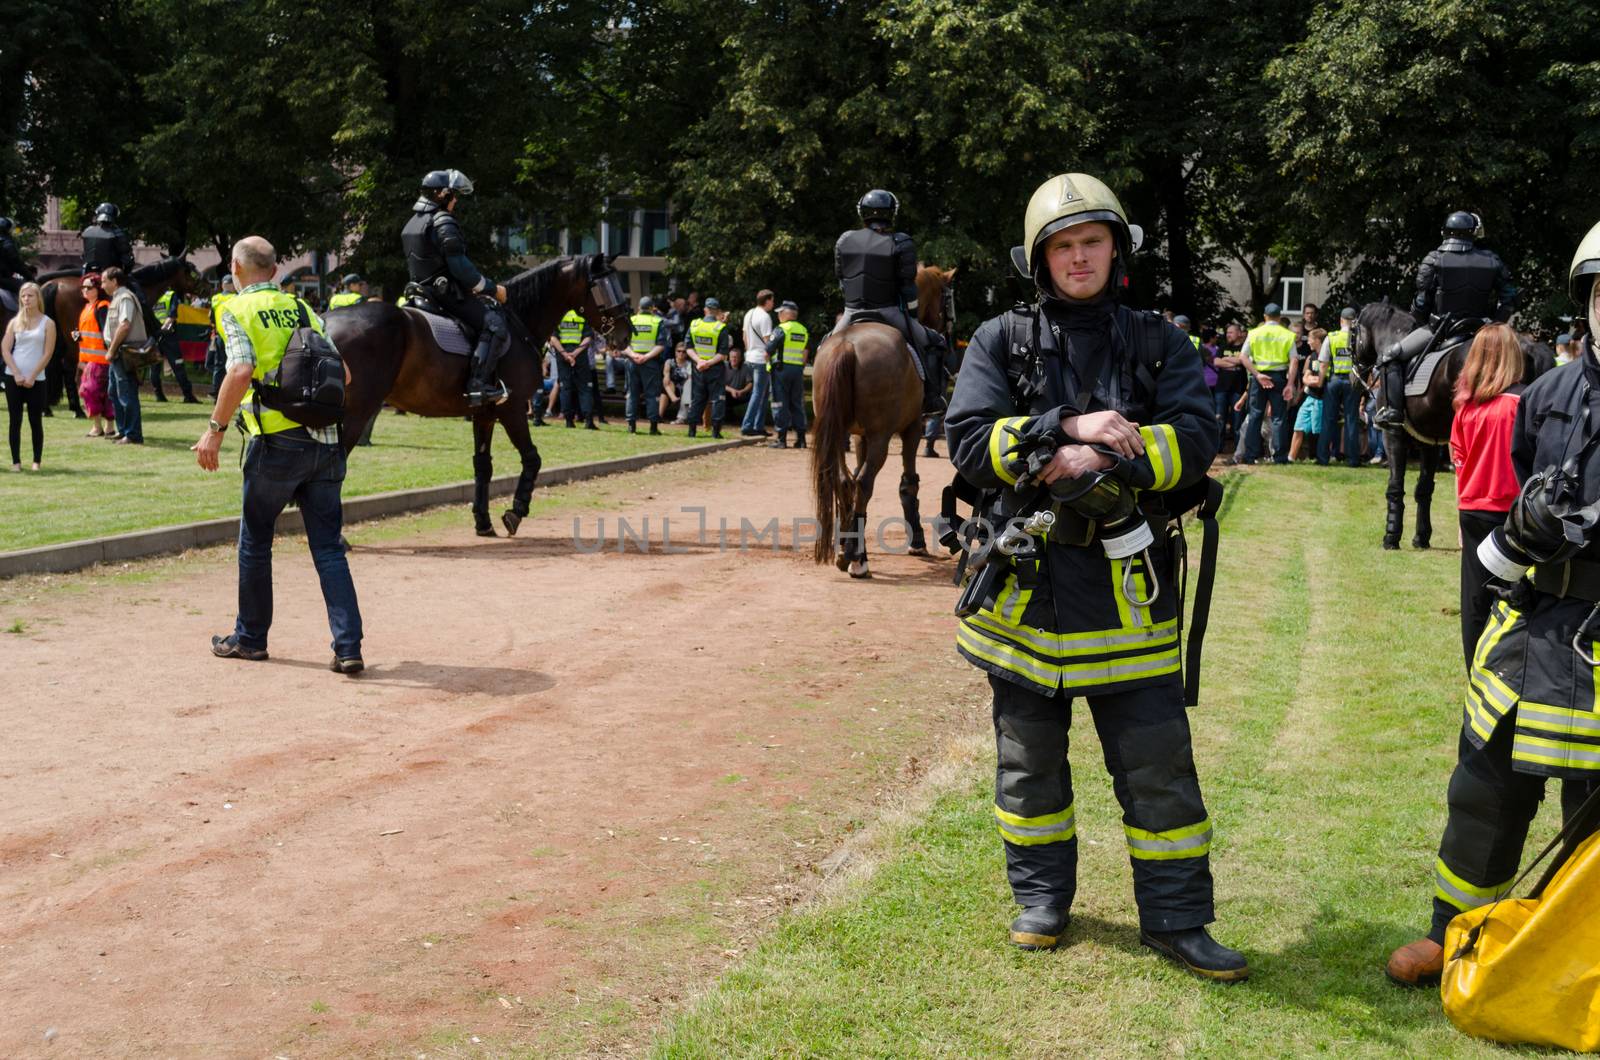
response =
{"points": [[125, 402], [1340, 399], [755, 417], [279, 468], [644, 388], [1250, 442]]}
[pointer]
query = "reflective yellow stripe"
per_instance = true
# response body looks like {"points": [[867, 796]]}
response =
{"points": [[1012, 659], [1124, 611], [1557, 719], [1461, 894], [1000, 440], [1190, 841], [1070, 645], [1161, 449], [1035, 831], [1564, 753]]}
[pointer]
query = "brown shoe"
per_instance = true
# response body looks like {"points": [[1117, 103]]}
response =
{"points": [[1418, 963]]}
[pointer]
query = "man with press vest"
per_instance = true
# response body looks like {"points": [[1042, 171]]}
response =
{"points": [[574, 368], [644, 365], [708, 348], [1079, 409], [171, 350], [353, 291], [1271, 366], [786, 353], [1460, 287], [284, 461], [877, 270], [1339, 398]]}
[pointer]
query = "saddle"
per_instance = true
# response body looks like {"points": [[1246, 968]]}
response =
{"points": [[1452, 334], [451, 334]]}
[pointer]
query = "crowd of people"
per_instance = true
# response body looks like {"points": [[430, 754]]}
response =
{"points": [[1284, 390]]}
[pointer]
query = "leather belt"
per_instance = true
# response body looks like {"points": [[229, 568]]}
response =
{"points": [[1576, 578]]}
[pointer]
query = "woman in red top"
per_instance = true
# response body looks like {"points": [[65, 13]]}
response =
{"points": [[1487, 393]]}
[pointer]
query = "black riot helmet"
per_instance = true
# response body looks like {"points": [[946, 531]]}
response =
{"points": [[6, 226], [1462, 225], [106, 213], [878, 205], [440, 182]]}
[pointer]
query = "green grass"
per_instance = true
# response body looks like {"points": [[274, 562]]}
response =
{"points": [[89, 487], [1325, 740]]}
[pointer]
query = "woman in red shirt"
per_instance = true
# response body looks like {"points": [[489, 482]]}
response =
{"points": [[1487, 393]]}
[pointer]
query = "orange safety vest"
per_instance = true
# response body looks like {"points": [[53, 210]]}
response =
{"points": [[91, 343]]}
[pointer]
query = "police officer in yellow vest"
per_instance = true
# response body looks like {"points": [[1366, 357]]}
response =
{"points": [[575, 368], [786, 358], [1108, 410], [708, 350], [283, 462], [216, 356], [171, 350], [354, 292], [1272, 366], [1339, 398], [645, 358]]}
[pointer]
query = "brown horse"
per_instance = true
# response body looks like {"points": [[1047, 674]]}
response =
{"points": [[64, 301], [393, 357], [864, 385]]}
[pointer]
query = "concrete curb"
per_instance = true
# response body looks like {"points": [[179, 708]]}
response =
{"points": [[118, 548]]}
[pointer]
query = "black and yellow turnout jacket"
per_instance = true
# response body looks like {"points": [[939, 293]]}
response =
{"points": [[1061, 619]]}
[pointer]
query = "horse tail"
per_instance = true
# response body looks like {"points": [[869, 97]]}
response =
{"points": [[834, 398]]}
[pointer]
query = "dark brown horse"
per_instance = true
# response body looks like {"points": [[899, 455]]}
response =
{"points": [[1428, 415], [64, 301], [393, 357], [864, 386]]}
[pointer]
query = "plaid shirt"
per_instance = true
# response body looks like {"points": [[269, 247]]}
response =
{"points": [[241, 351]]}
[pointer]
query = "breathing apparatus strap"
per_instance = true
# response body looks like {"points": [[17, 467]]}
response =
{"points": [[1205, 578]]}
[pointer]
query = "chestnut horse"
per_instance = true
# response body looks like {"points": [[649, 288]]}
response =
{"points": [[393, 357], [864, 386], [64, 301]]}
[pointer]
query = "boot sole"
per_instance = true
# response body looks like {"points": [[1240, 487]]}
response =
{"points": [[1229, 975], [1027, 940]]}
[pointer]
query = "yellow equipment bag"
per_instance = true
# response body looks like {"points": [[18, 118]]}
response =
{"points": [[1528, 970]]}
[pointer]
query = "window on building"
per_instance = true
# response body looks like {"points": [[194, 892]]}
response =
{"points": [[1290, 293], [655, 234], [581, 241], [619, 227]]}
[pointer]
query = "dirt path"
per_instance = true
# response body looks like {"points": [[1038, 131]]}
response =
{"points": [[569, 789]]}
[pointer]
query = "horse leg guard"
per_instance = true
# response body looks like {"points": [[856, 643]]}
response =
{"points": [[482, 471], [858, 526], [512, 517], [908, 508], [1424, 497]]}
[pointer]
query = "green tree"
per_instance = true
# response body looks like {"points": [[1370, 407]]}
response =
{"points": [[1396, 113]]}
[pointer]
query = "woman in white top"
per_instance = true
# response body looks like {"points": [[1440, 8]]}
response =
{"points": [[29, 341]]}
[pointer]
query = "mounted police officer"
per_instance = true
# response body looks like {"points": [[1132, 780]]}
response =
{"points": [[1530, 705], [1460, 287], [1079, 409], [877, 268], [106, 243], [14, 272], [436, 259]]}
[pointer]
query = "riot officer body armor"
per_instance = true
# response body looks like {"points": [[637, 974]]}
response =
{"points": [[436, 259], [876, 269], [1465, 282], [106, 244]]}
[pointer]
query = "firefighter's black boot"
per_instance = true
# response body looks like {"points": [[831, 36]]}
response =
{"points": [[1196, 950], [1039, 927]]}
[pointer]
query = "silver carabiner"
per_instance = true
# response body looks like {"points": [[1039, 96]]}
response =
{"points": [[1128, 591], [1577, 638]]}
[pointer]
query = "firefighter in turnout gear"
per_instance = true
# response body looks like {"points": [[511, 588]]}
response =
{"points": [[1106, 410], [436, 258], [877, 269], [1460, 287], [1532, 709]]}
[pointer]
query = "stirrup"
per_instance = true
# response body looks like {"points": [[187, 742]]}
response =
{"points": [[498, 395]]}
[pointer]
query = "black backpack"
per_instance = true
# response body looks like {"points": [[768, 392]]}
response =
{"points": [[308, 384]]}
